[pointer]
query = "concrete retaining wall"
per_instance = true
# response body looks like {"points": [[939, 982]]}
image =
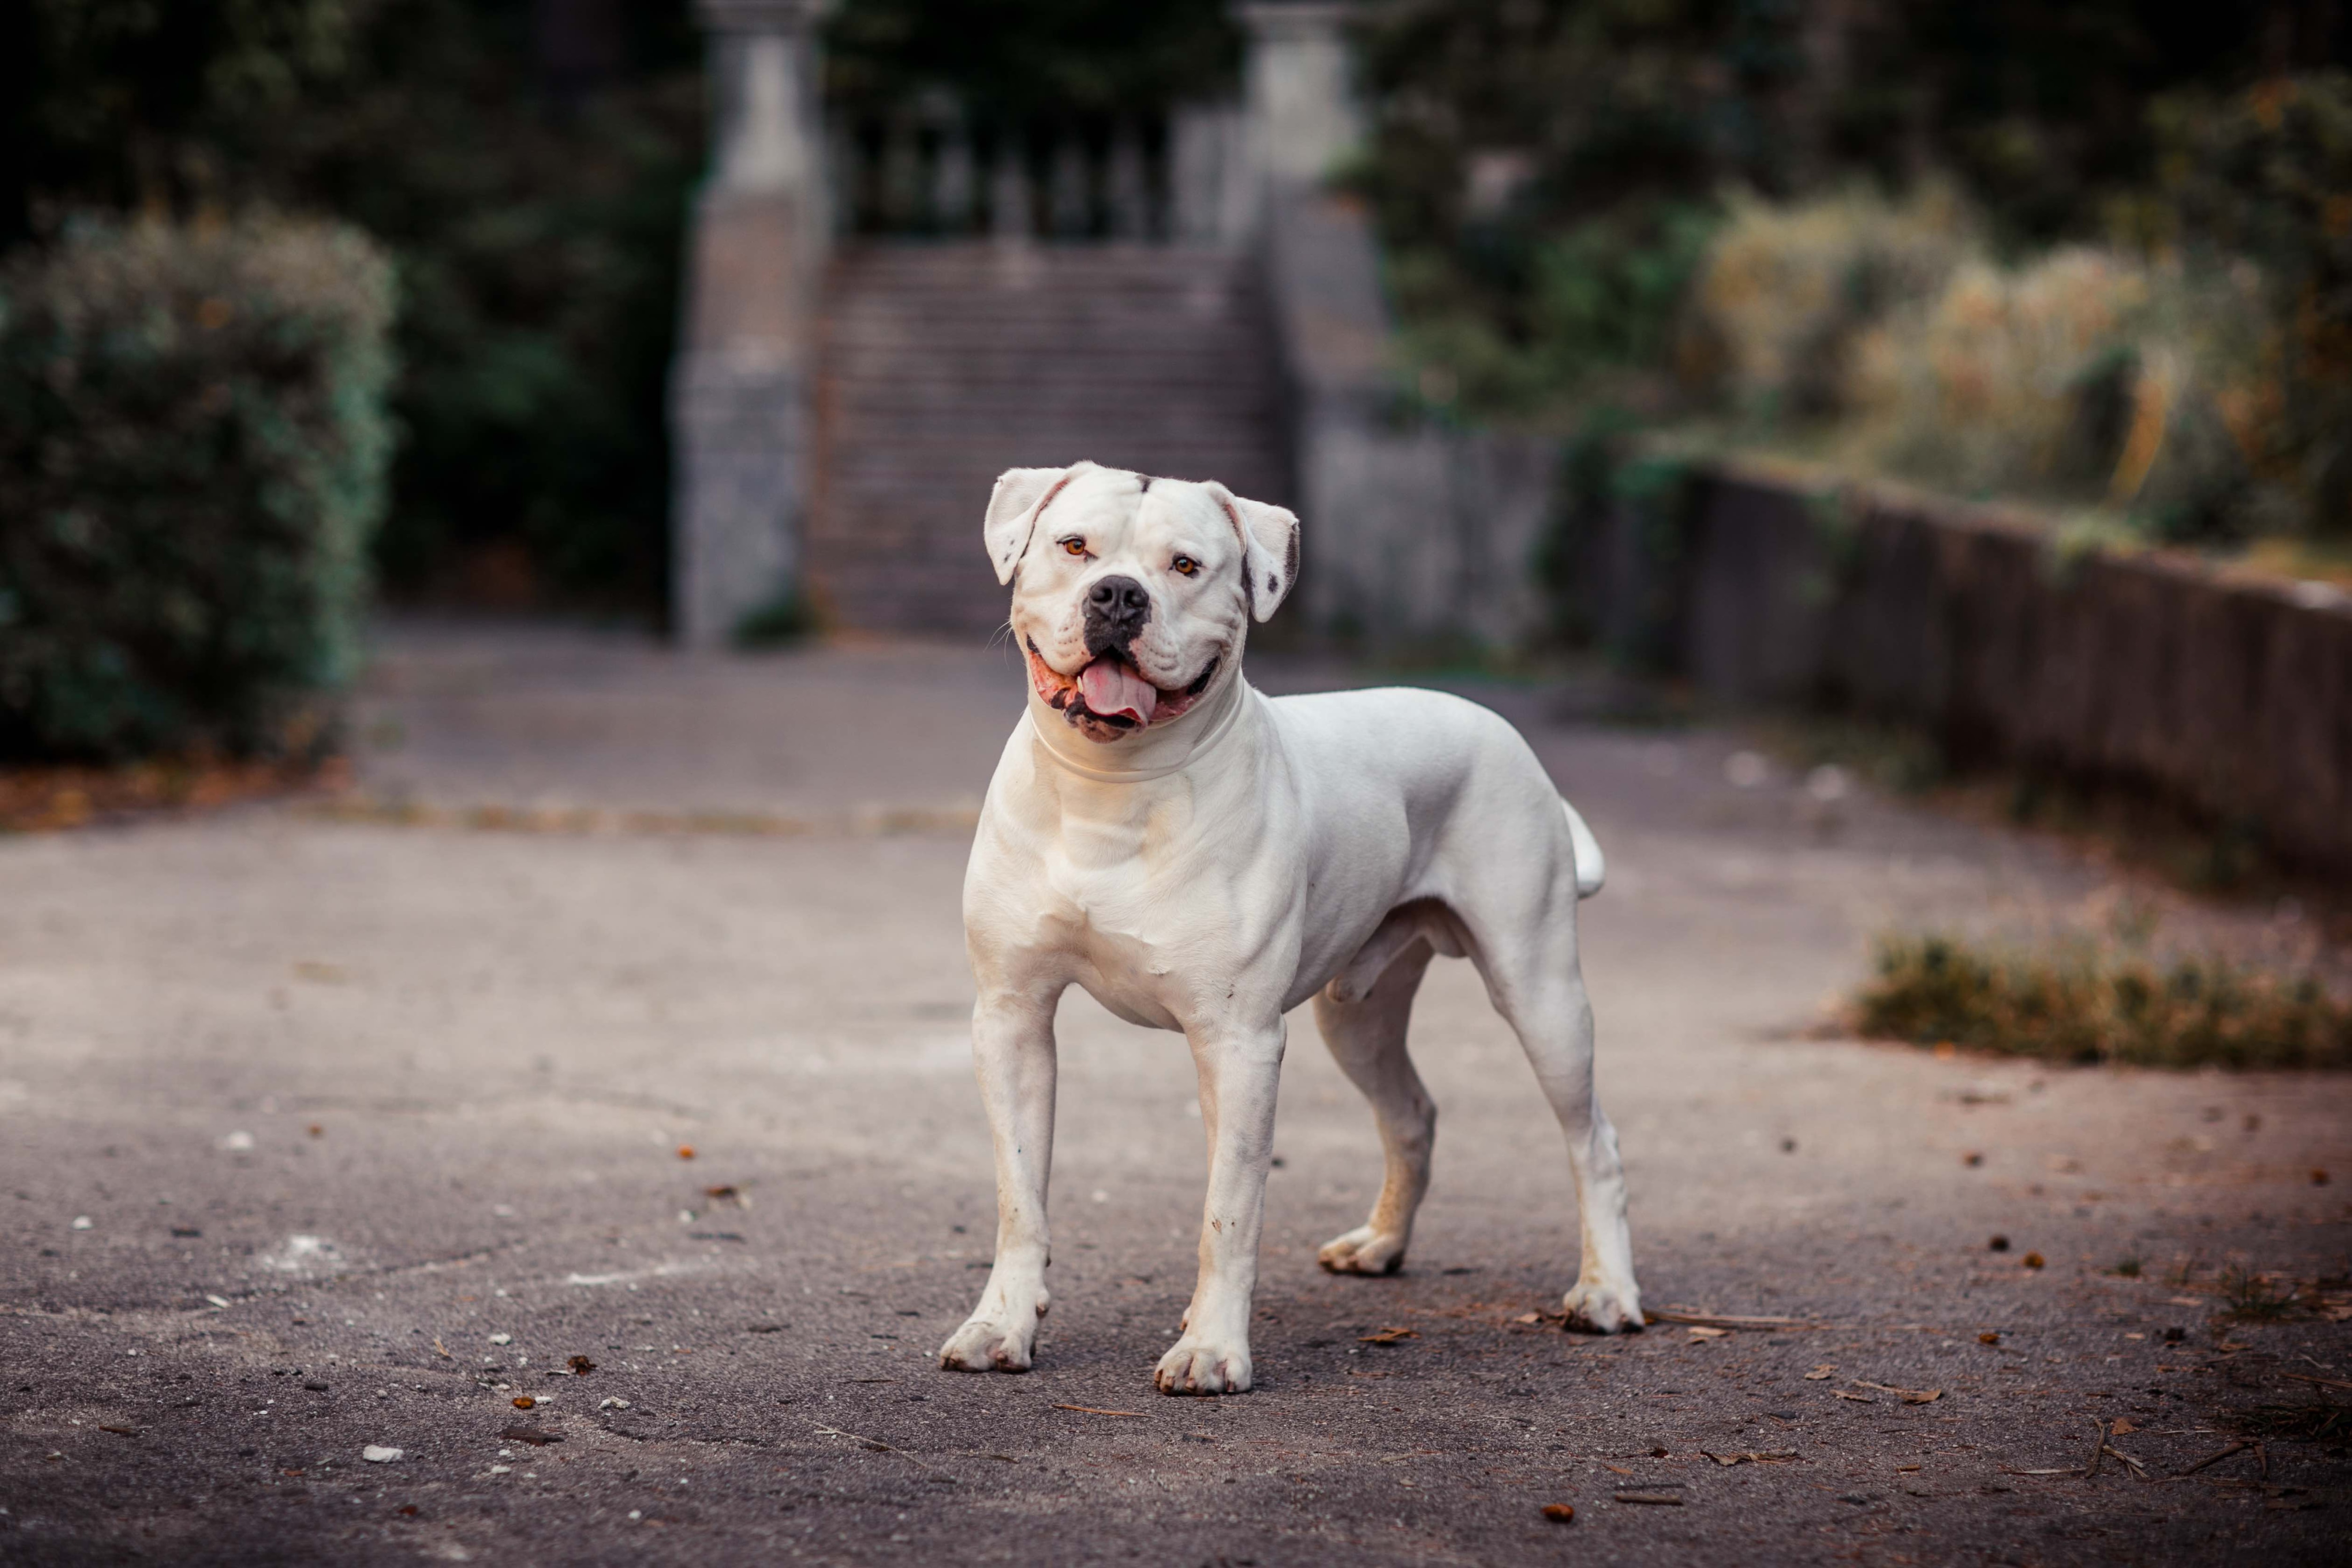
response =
{"points": [[2229, 693]]}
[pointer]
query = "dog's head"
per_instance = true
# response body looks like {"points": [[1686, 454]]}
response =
{"points": [[1132, 595]]}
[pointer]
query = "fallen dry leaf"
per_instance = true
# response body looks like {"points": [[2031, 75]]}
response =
{"points": [[1701, 1333], [524, 1402], [1616, 1469], [877, 1445], [1908, 1396], [1725, 1319], [1529, 1318], [536, 1437], [1990, 1337], [2240, 1447], [580, 1366], [1387, 1337], [1821, 1373], [2336, 1382], [1559, 1512], [2123, 1424], [2032, 1260]]}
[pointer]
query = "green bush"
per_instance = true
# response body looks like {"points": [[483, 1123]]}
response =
{"points": [[193, 447]]}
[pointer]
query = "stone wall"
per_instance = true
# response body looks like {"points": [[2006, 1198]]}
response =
{"points": [[2229, 693]]}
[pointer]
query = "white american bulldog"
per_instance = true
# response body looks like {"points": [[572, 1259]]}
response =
{"points": [[1202, 858]]}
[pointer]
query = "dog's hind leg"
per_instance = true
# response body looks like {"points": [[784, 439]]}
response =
{"points": [[1366, 1034], [1533, 977]]}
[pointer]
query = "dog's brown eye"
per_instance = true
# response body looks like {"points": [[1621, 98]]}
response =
{"points": [[1074, 547], [1185, 564]]}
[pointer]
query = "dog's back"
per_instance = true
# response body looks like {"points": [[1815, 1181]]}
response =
{"points": [[1440, 754]]}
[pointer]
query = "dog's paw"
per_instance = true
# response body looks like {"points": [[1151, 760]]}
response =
{"points": [[1604, 1308], [1363, 1250], [1204, 1366], [991, 1344]]}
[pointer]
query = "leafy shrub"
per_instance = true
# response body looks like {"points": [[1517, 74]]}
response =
{"points": [[1601, 304], [2080, 1004], [1786, 292], [192, 446], [2087, 375]]}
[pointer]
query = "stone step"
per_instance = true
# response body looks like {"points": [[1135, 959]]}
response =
{"points": [[943, 364]]}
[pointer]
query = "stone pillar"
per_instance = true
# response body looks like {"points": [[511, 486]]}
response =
{"points": [[1297, 89], [739, 388]]}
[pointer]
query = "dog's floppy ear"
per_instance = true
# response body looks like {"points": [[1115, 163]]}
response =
{"points": [[1013, 507], [1269, 549]]}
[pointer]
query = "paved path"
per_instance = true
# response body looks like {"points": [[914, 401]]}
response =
{"points": [[320, 1132]]}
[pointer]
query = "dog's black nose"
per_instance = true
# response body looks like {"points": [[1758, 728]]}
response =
{"points": [[1119, 598], [1117, 609]]}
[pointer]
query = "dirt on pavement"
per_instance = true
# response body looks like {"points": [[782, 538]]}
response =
{"points": [[582, 1109]]}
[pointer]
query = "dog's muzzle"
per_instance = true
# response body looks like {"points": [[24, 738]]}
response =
{"points": [[1117, 609]]}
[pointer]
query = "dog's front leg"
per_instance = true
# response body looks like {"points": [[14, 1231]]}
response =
{"points": [[1240, 1071], [1012, 1051]]}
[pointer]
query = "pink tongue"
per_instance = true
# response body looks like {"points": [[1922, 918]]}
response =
{"points": [[1112, 687]]}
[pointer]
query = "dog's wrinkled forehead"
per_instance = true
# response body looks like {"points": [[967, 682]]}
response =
{"points": [[1104, 514], [1102, 503]]}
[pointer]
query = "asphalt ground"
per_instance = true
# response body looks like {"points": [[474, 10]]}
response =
{"points": [[326, 1125]]}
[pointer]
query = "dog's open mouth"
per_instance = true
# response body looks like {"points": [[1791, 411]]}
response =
{"points": [[1111, 698]]}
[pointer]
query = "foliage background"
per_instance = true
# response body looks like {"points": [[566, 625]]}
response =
{"points": [[192, 453], [1546, 173], [527, 164], [1022, 62]]}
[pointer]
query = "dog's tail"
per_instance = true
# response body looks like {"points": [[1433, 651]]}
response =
{"points": [[1591, 870]]}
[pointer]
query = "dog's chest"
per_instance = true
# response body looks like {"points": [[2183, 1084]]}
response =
{"points": [[1122, 921]]}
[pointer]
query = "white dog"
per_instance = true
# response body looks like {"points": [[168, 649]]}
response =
{"points": [[1202, 858]]}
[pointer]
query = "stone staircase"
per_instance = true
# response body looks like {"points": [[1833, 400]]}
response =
{"points": [[940, 365]]}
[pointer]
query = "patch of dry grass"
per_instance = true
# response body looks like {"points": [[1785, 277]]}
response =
{"points": [[2077, 1001], [53, 798]]}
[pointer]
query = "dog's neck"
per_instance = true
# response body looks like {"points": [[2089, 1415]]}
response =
{"points": [[1152, 753]]}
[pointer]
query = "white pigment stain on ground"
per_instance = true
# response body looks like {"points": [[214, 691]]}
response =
{"points": [[302, 1254]]}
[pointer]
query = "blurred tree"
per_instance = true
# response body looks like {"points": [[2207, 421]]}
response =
{"points": [[1541, 166], [528, 161], [129, 102], [1542, 170], [1017, 61], [2266, 173]]}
